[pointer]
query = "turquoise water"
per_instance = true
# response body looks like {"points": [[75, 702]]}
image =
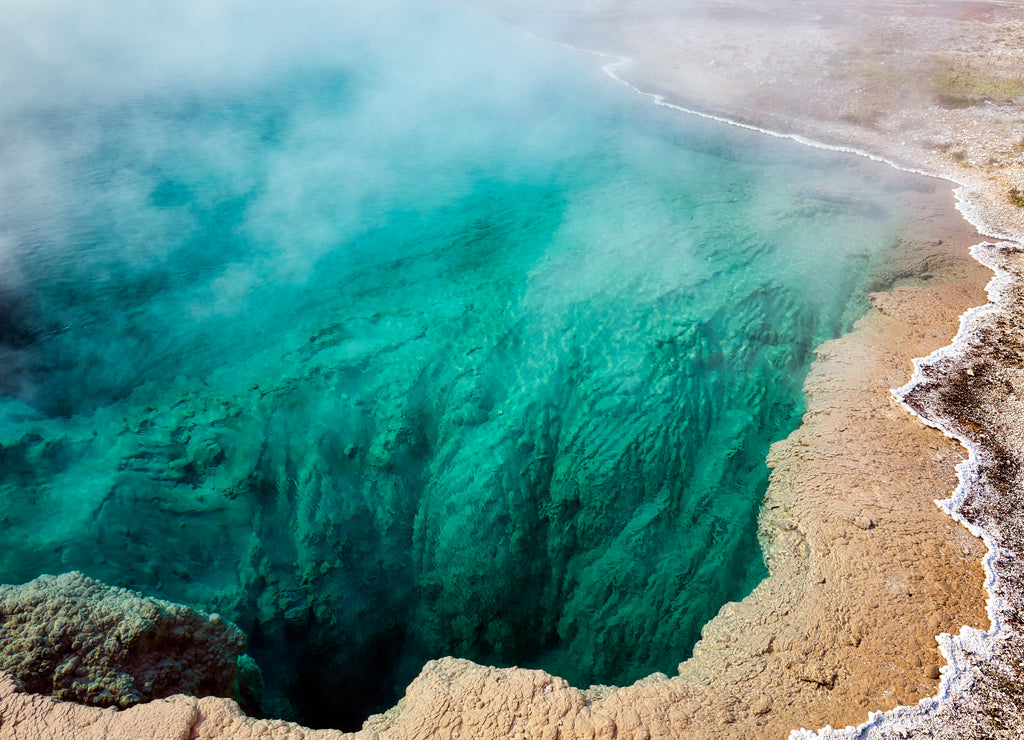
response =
{"points": [[390, 340]]}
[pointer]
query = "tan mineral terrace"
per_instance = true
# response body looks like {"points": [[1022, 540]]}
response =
{"points": [[868, 576]]}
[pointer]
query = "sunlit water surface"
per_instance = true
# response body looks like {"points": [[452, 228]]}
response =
{"points": [[389, 333]]}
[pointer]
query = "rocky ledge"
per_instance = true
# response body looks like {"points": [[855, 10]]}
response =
{"points": [[76, 639]]}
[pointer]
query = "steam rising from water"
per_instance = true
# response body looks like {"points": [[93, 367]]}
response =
{"points": [[390, 334]]}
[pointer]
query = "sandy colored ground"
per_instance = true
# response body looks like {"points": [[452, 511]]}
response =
{"points": [[865, 570]]}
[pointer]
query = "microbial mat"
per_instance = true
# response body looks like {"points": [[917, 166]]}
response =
{"points": [[390, 333]]}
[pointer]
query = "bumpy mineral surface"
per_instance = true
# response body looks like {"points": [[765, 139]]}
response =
{"points": [[77, 639]]}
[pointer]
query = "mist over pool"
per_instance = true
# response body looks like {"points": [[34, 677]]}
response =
{"points": [[390, 333]]}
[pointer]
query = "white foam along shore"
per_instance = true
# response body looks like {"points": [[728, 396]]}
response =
{"points": [[971, 647]]}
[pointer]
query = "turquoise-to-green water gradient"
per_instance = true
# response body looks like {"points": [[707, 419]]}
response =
{"points": [[389, 333]]}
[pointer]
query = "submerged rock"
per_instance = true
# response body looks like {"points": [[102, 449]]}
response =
{"points": [[79, 640]]}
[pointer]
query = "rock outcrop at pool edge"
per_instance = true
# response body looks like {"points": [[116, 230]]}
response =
{"points": [[25, 716], [77, 639]]}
